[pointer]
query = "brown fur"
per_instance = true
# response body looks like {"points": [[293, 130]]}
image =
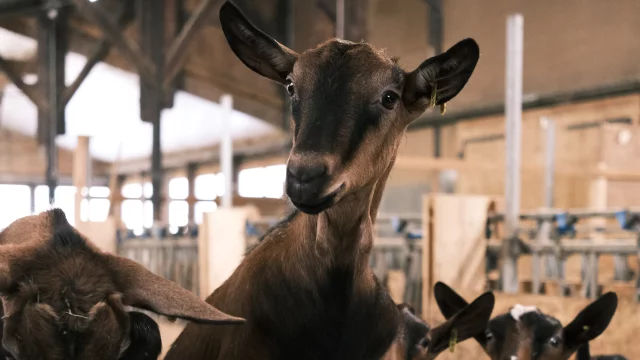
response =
{"points": [[64, 299], [307, 291]]}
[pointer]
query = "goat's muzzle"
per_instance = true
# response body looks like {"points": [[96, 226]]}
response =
{"points": [[308, 178]]}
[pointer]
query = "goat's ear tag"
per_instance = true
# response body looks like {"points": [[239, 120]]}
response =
{"points": [[453, 340], [443, 108], [434, 94]]}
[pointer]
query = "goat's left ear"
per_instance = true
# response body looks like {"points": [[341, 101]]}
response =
{"points": [[469, 322], [440, 78], [591, 321], [146, 342], [143, 289]]}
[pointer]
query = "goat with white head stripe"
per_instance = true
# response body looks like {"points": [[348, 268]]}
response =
{"points": [[526, 333]]}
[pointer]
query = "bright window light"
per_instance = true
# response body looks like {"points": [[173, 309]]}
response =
{"points": [[209, 186], [132, 191], [17, 200], [262, 182], [179, 188]]}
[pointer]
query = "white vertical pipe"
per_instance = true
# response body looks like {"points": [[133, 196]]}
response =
{"points": [[226, 150], [513, 137], [340, 10], [549, 160]]}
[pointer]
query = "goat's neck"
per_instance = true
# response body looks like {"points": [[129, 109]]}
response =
{"points": [[344, 233]]}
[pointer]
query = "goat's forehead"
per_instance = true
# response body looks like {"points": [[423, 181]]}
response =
{"points": [[518, 310], [355, 58]]}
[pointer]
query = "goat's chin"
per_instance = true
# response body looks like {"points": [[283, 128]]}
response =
{"points": [[321, 204]]}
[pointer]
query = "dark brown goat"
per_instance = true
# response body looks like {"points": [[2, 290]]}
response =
{"points": [[64, 299], [417, 341], [307, 291], [525, 333]]}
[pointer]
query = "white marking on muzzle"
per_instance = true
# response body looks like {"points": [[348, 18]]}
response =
{"points": [[518, 310]]}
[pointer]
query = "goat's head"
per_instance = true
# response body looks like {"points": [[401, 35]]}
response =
{"points": [[525, 333], [64, 299], [350, 105], [419, 342]]}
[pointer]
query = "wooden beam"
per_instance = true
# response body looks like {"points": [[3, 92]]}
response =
{"points": [[29, 90], [176, 55], [97, 54], [248, 148], [126, 46]]}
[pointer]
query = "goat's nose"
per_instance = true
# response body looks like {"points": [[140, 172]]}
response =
{"points": [[306, 173]]}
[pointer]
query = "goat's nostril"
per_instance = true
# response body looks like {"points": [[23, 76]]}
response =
{"points": [[307, 173]]}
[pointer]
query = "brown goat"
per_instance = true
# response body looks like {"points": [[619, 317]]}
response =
{"points": [[307, 291], [63, 298], [526, 333], [417, 341]]}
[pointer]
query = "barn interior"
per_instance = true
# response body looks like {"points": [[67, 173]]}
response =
{"points": [[528, 184]]}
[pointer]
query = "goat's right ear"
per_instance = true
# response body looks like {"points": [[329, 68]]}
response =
{"points": [[145, 290], [591, 321], [257, 50]]}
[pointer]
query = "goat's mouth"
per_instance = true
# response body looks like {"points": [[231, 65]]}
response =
{"points": [[320, 205]]}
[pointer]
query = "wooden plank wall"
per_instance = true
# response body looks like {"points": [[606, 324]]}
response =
{"points": [[577, 148], [22, 157]]}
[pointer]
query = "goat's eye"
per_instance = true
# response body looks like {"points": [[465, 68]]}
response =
{"points": [[554, 341], [389, 99], [290, 89], [488, 335], [424, 343]]}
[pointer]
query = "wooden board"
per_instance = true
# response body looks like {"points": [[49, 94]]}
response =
{"points": [[454, 247], [102, 234], [222, 244]]}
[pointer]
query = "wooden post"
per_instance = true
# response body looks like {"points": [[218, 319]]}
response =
{"points": [[191, 198], [81, 173], [222, 244], [340, 16], [226, 151], [513, 137]]}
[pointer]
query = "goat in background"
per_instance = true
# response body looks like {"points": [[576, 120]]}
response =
{"points": [[63, 298], [525, 333]]}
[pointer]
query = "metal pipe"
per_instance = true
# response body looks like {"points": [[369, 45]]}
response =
{"points": [[513, 137], [226, 151]]}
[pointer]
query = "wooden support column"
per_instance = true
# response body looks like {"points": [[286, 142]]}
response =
{"points": [[81, 174], [52, 34], [151, 17], [191, 198]]}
